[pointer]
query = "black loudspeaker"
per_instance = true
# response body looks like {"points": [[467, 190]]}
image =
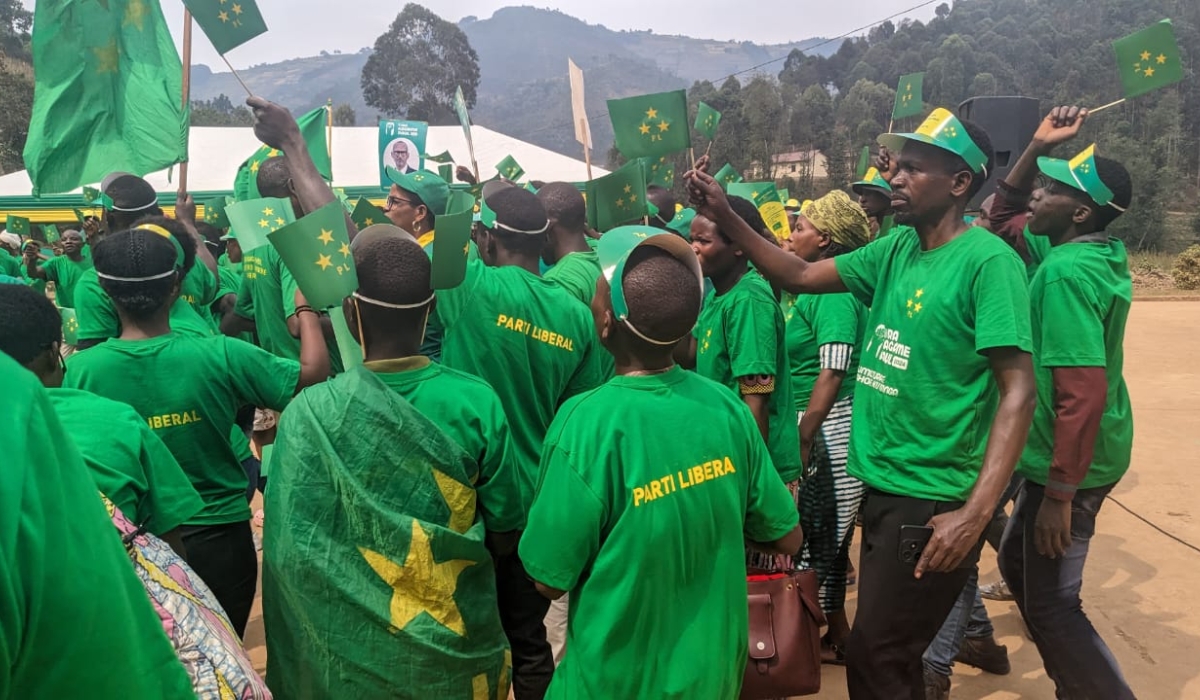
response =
{"points": [[1011, 123]]}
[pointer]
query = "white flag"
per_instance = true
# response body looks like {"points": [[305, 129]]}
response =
{"points": [[583, 131]]}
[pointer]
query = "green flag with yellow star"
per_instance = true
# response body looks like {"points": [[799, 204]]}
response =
{"points": [[70, 326], [620, 197], [1148, 59], [367, 214], [316, 249], [108, 93], [227, 23], [17, 224], [909, 101], [252, 220], [660, 171], [313, 129], [509, 169], [91, 194], [651, 125], [727, 175], [214, 212], [707, 120]]}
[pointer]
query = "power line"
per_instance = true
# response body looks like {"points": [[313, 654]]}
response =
{"points": [[852, 32]]}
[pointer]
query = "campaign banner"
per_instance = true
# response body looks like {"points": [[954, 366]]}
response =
{"points": [[401, 146]]}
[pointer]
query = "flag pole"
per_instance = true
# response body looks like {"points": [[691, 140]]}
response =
{"points": [[235, 74], [329, 135], [187, 87], [1110, 104]]}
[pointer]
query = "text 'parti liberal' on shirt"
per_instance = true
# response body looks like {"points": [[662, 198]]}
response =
{"points": [[926, 397]]}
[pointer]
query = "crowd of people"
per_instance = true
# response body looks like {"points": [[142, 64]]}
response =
{"points": [[557, 475]]}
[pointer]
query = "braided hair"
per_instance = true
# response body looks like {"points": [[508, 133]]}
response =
{"points": [[138, 270]]}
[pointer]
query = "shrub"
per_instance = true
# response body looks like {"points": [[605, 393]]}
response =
{"points": [[1187, 269]]}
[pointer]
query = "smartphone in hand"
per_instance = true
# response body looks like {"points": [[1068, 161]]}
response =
{"points": [[913, 539]]}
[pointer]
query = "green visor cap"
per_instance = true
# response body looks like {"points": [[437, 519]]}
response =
{"points": [[231, 236], [682, 223], [614, 250], [873, 180], [944, 130], [432, 190], [1079, 173]]}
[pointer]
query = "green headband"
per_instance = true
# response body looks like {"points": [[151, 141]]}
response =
{"points": [[1080, 173], [179, 257]]}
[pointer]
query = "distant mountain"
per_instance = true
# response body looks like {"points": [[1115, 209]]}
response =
{"points": [[523, 87]]}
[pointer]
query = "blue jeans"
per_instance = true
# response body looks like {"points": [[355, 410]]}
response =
{"points": [[968, 619], [1047, 593]]}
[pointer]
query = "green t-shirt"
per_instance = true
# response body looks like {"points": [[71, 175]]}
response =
{"points": [[129, 463], [926, 397], [1039, 249], [577, 273], [814, 320], [531, 341], [431, 346], [188, 390], [75, 620], [741, 334], [1081, 297], [268, 297], [649, 486], [10, 265], [65, 273], [469, 412], [98, 318]]}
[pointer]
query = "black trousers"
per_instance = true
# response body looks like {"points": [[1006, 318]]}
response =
{"points": [[898, 615], [522, 613], [223, 555]]}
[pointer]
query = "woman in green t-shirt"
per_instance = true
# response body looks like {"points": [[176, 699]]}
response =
{"points": [[739, 342], [188, 389], [824, 332]]}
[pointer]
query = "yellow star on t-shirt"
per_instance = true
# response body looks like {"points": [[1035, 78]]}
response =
{"points": [[644, 129], [1145, 55], [421, 585], [652, 113], [324, 261], [326, 237]]}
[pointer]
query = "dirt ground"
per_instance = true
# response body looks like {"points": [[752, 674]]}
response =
{"points": [[1136, 583]]}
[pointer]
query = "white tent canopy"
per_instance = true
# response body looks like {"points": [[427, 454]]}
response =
{"points": [[217, 152]]}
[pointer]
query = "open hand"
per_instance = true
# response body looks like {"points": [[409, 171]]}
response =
{"points": [[1061, 125], [273, 124], [1052, 528], [955, 534]]}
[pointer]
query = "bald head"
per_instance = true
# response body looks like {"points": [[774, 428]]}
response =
{"points": [[564, 205]]}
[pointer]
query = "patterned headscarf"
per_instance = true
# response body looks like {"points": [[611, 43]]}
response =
{"points": [[840, 218]]}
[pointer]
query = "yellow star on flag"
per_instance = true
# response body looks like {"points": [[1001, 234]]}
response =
{"points": [[1161, 58], [663, 126], [223, 16], [369, 221], [1149, 72], [237, 9], [279, 221], [254, 167], [107, 57], [344, 250], [920, 293], [263, 223], [917, 309], [628, 189], [421, 585], [652, 113], [268, 211], [644, 129], [632, 198], [324, 261], [621, 203], [1145, 55], [135, 14], [460, 499], [326, 236], [910, 303]]}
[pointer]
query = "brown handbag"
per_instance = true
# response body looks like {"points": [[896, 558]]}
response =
{"points": [[785, 636]]}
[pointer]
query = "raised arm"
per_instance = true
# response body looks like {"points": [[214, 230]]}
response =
{"points": [[779, 266], [185, 213], [33, 267]]}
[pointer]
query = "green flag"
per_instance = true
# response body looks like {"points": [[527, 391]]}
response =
{"points": [[313, 129], [348, 347], [650, 125], [464, 118], [909, 96], [227, 23], [443, 158], [253, 219], [707, 120], [727, 175], [619, 197], [660, 171], [864, 162], [80, 216], [367, 214], [107, 93], [451, 245], [214, 212], [446, 172], [17, 224], [766, 198], [316, 249], [91, 194], [70, 326], [510, 169], [1148, 59], [50, 234]]}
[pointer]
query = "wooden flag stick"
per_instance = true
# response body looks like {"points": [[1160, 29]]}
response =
{"points": [[187, 86], [1110, 104], [891, 123], [329, 135], [708, 150], [692, 155], [235, 74]]}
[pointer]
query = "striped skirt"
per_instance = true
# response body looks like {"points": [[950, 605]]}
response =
{"points": [[829, 501]]}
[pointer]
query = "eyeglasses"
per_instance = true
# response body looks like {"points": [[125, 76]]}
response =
{"points": [[393, 201]]}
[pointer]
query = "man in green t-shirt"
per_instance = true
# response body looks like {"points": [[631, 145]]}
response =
{"points": [[1081, 441], [945, 389], [533, 343], [74, 618], [63, 270], [875, 197], [574, 264], [660, 476]]}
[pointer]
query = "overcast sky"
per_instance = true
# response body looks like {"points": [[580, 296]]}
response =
{"points": [[306, 27]]}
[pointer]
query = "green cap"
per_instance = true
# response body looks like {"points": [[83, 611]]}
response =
{"points": [[944, 130], [872, 180], [682, 223], [432, 190], [614, 250], [1080, 173]]}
